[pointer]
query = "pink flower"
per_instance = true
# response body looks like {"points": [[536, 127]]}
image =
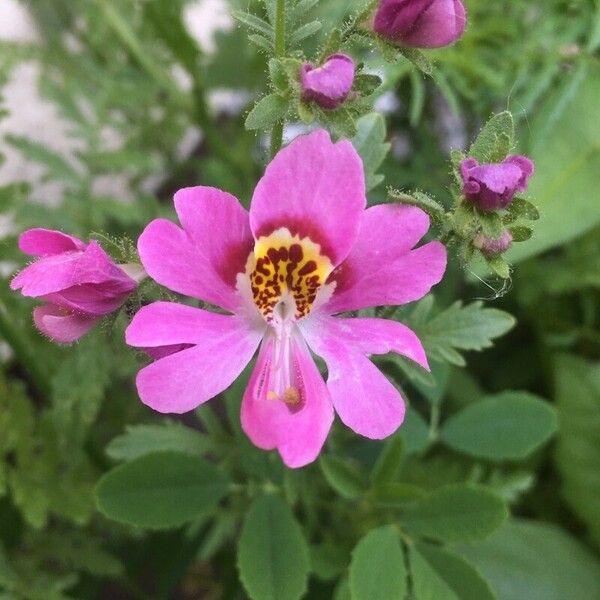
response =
{"points": [[493, 186], [420, 23], [79, 282], [307, 250], [330, 84]]}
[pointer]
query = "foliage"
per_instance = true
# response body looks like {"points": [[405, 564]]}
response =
{"points": [[101, 498]]}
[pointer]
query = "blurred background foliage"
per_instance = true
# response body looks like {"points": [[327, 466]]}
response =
{"points": [[132, 83]]}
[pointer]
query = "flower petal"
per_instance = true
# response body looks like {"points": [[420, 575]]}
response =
{"points": [[381, 268], [361, 394], [298, 434], [60, 327], [44, 242], [314, 188], [181, 381], [203, 259], [59, 272]]}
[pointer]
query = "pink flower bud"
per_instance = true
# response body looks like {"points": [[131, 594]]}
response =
{"points": [[493, 186], [79, 282], [420, 23], [491, 247], [329, 84]]}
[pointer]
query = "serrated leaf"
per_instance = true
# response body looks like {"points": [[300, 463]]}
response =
{"points": [[457, 578], [377, 570], [266, 112], [470, 327], [139, 440], [456, 512], [273, 557], [160, 490], [370, 143], [507, 426], [495, 138], [343, 477]]}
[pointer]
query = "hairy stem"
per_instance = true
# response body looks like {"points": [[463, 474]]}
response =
{"points": [[277, 133]]}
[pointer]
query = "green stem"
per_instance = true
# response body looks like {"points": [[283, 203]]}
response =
{"points": [[16, 340], [277, 133]]}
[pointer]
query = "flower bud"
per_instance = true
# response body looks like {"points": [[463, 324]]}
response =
{"points": [[79, 282], [492, 186], [420, 23], [491, 247], [329, 84]]}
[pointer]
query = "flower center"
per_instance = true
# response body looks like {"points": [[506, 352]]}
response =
{"points": [[286, 272]]}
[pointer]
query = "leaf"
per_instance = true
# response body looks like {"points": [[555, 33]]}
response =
{"points": [[577, 384], [388, 462], [456, 512], [56, 166], [460, 579], [520, 233], [344, 478], [418, 59], [431, 207], [495, 140], [266, 112], [254, 23], [470, 327], [377, 570], [536, 561], [491, 224], [414, 431], [139, 440], [370, 143], [523, 209], [507, 426], [567, 163], [304, 31], [160, 490], [273, 557], [499, 266]]}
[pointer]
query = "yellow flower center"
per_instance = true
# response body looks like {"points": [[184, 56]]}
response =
{"points": [[286, 272]]}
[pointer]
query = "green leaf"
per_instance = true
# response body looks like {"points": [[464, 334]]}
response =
{"points": [[567, 162], [304, 31], [254, 23], [343, 477], [418, 59], [577, 451], [456, 512], [435, 568], [266, 112], [273, 557], [388, 462], [144, 439], [520, 233], [499, 266], [160, 490], [370, 143], [429, 205], [508, 426], [495, 140], [328, 560], [491, 224], [414, 431], [535, 561], [520, 208], [469, 327], [377, 570], [56, 166]]}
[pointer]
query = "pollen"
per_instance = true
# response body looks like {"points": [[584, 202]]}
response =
{"points": [[291, 396], [283, 264]]}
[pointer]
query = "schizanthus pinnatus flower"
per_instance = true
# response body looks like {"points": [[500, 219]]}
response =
{"points": [[328, 85]]}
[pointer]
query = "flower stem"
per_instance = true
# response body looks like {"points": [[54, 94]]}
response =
{"points": [[26, 358], [277, 133]]}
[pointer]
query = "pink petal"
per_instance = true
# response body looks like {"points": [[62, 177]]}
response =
{"points": [[297, 434], [382, 269], [57, 273], [182, 381], [441, 24], [202, 260], [362, 396], [44, 242], [314, 188], [60, 327], [329, 84]]}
